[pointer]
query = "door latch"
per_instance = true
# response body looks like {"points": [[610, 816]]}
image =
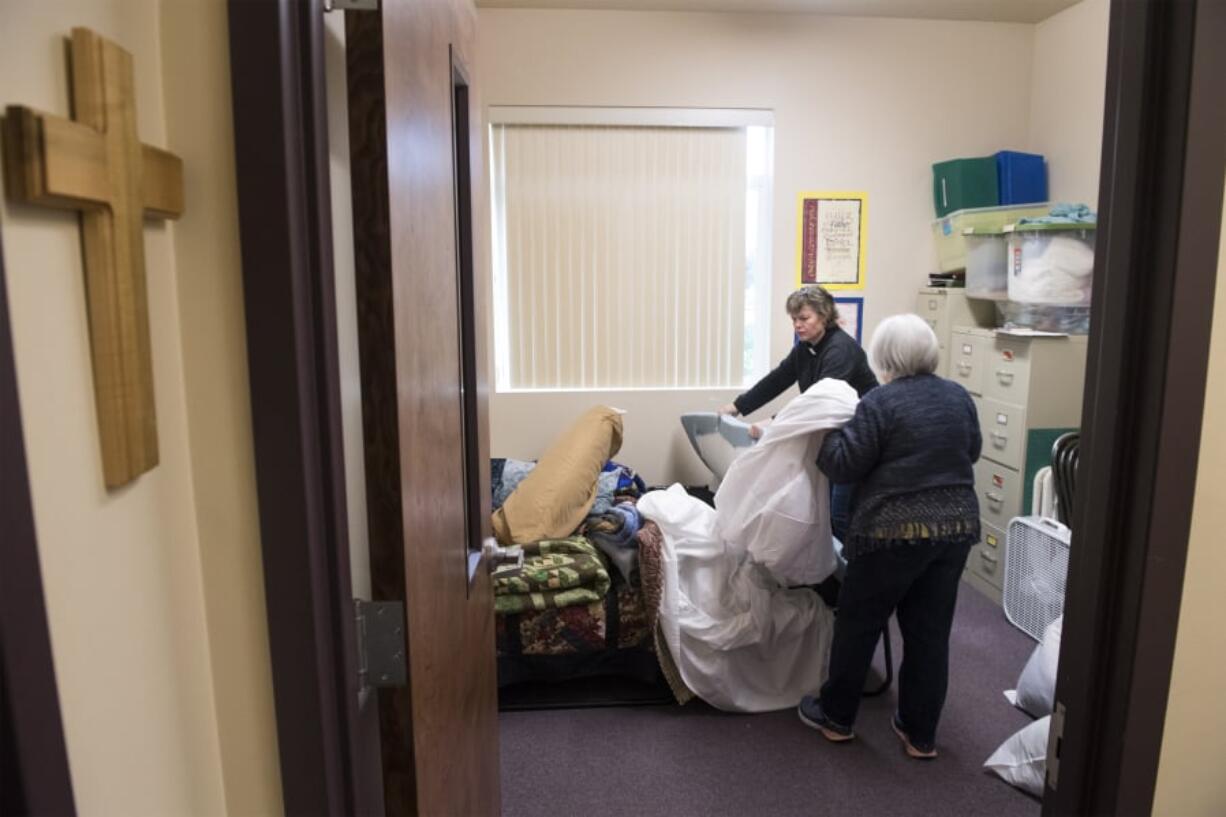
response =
{"points": [[351, 5], [496, 555], [381, 645]]}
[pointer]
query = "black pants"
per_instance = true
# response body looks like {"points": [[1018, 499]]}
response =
{"points": [[921, 583]]}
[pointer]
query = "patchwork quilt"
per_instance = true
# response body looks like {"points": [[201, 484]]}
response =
{"points": [[616, 633], [624, 617], [556, 573]]}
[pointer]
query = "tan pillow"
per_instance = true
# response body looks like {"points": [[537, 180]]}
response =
{"points": [[555, 497]]}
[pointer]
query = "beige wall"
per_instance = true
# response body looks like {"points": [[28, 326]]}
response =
{"points": [[861, 104], [346, 302], [195, 51], [1067, 97], [1190, 780], [154, 594]]}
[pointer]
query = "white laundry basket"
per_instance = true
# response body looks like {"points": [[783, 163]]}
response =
{"points": [[1036, 568], [717, 440]]}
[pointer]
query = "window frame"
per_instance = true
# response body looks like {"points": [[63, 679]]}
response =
{"points": [[759, 273]]}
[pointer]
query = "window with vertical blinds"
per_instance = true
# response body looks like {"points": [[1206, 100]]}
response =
{"points": [[623, 255]]}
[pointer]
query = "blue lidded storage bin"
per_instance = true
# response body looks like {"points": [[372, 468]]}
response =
{"points": [[1021, 178]]}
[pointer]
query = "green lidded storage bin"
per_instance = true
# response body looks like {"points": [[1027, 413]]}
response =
{"points": [[948, 232], [961, 183]]}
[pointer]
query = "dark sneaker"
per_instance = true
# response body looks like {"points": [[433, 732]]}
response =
{"points": [[811, 714], [919, 751]]}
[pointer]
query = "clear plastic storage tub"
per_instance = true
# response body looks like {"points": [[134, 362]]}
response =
{"points": [[1051, 263], [948, 235], [1068, 320], [987, 264]]}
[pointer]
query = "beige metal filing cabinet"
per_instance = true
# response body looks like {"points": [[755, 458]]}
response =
{"points": [[946, 308], [1027, 390]]}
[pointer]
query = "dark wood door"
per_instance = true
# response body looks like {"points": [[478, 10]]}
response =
{"points": [[423, 405], [418, 183]]}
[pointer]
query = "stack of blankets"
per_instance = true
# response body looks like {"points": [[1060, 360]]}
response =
{"points": [[593, 615], [571, 571], [567, 609], [586, 600]]}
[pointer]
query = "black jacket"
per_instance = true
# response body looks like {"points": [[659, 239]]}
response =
{"points": [[836, 355]]}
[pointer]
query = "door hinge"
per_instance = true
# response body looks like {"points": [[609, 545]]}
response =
{"points": [[381, 644], [1054, 740], [351, 5]]}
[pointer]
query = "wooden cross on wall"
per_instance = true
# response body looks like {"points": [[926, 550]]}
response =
{"points": [[96, 163]]}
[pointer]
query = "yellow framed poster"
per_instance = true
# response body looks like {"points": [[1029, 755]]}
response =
{"points": [[831, 238]]}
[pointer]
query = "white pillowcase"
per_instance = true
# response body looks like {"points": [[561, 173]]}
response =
{"points": [[1036, 686], [1022, 759]]}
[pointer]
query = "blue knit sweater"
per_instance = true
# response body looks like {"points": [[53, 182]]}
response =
{"points": [[909, 448]]}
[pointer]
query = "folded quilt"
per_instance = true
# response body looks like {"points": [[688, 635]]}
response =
{"points": [[555, 573]]}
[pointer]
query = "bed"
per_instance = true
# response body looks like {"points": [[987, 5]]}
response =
{"points": [[608, 629], [584, 601]]}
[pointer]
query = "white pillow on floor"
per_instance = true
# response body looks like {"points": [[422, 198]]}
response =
{"points": [[1022, 759], [1036, 687]]}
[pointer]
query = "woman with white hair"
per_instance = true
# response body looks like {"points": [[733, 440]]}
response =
{"points": [[914, 517]]}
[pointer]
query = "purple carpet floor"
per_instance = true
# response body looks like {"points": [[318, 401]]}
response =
{"points": [[694, 760]]}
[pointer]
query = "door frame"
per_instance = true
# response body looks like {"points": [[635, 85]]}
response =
{"points": [[33, 754], [285, 228], [1151, 310], [1160, 199]]}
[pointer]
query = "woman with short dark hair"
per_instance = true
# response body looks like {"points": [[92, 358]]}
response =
{"points": [[910, 448], [822, 350]]}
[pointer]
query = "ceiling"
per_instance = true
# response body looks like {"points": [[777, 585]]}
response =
{"points": [[1001, 11]]}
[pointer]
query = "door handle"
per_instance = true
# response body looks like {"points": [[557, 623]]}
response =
{"points": [[496, 555]]}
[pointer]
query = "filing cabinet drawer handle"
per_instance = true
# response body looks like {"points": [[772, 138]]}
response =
{"points": [[990, 560], [1005, 378], [1000, 440], [994, 498], [964, 368]]}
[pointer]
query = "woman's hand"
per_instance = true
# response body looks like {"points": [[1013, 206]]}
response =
{"points": [[730, 410], [755, 432]]}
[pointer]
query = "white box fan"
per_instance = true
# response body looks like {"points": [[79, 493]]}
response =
{"points": [[1036, 569]]}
